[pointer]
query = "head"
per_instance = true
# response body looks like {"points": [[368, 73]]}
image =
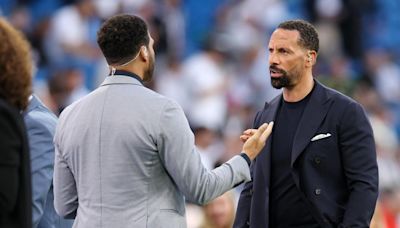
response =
{"points": [[125, 40], [293, 50], [15, 66], [86, 8], [220, 213]]}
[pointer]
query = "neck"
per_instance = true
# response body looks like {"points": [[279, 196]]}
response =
{"points": [[300, 90]]}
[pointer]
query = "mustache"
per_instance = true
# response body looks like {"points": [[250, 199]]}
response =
{"points": [[275, 68]]}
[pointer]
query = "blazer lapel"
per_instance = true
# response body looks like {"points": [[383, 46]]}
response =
{"points": [[265, 156], [313, 115]]}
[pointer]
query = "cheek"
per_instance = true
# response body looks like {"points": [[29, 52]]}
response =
{"points": [[295, 65]]}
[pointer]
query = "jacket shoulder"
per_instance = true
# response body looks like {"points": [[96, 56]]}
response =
{"points": [[339, 98]]}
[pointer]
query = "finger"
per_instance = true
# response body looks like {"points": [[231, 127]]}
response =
{"points": [[244, 138], [250, 132], [260, 130], [267, 132]]}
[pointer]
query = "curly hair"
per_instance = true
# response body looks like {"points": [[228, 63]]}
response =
{"points": [[15, 66], [308, 34], [121, 36]]}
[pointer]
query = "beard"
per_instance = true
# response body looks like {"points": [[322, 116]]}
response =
{"points": [[148, 74], [282, 81]]}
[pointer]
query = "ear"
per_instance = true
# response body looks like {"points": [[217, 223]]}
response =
{"points": [[144, 53], [311, 58]]}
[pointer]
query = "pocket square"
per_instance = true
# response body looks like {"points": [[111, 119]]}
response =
{"points": [[320, 136]]}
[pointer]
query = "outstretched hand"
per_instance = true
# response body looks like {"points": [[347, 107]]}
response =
{"points": [[255, 139], [247, 134]]}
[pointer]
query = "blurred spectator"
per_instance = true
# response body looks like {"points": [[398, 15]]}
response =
{"points": [[72, 38], [385, 75], [169, 82], [15, 88], [207, 144], [64, 87], [378, 220], [387, 144], [220, 212], [390, 199], [205, 79], [174, 22], [339, 76]]}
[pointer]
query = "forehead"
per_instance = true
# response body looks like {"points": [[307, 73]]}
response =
{"points": [[283, 37]]}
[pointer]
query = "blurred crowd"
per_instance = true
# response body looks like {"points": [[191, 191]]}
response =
{"points": [[211, 57]]}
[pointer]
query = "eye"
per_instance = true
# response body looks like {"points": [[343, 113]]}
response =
{"points": [[283, 51]]}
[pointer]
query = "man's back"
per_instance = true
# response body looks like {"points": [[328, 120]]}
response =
{"points": [[113, 156], [128, 149]]}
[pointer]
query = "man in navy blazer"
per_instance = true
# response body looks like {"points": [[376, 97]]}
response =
{"points": [[41, 124], [318, 168]]}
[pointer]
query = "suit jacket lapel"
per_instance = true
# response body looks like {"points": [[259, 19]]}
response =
{"points": [[314, 113], [265, 156]]}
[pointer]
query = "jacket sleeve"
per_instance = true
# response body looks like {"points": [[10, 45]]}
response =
{"points": [[65, 192], [360, 166], [10, 148], [40, 133], [175, 144]]}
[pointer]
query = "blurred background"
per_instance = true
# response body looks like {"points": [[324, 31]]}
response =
{"points": [[211, 57]]}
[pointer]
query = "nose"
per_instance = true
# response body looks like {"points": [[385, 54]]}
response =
{"points": [[273, 59]]}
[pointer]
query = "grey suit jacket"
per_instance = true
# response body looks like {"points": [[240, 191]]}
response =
{"points": [[125, 157], [41, 125]]}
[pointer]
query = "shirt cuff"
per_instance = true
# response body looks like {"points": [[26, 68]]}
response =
{"points": [[246, 157]]}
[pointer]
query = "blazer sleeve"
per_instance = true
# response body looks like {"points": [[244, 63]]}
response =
{"points": [[175, 144], [360, 166], [10, 156], [40, 133], [65, 192]]}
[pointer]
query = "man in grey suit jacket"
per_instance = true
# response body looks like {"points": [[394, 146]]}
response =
{"points": [[41, 125], [125, 155]]}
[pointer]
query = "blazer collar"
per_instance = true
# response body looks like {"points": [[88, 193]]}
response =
{"points": [[121, 79], [33, 103]]}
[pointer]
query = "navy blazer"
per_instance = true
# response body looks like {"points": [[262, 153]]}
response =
{"points": [[336, 174]]}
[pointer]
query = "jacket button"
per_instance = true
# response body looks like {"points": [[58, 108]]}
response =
{"points": [[318, 191], [317, 160]]}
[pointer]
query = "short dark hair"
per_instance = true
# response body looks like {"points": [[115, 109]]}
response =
{"points": [[308, 34], [121, 36]]}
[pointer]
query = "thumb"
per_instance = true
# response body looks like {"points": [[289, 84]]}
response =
{"points": [[267, 132]]}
